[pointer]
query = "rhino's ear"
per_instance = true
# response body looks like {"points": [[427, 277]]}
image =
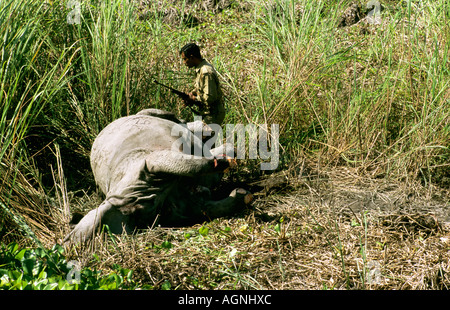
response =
{"points": [[177, 163]]}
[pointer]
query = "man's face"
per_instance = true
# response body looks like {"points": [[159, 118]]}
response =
{"points": [[188, 61]]}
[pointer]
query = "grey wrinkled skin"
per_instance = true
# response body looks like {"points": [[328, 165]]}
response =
{"points": [[146, 176]]}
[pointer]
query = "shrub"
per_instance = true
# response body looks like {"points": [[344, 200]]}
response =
{"points": [[42, 269]]}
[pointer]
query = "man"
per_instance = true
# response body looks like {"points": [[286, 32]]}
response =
{"points": [[206, 87]]}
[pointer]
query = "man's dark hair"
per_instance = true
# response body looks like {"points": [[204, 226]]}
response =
{"points": [[191, 49]]}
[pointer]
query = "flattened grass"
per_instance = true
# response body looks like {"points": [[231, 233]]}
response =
{"points": [[328, 233]]}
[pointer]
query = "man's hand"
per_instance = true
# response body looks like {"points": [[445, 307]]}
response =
{"points": [[192, 100], [193, 96]]}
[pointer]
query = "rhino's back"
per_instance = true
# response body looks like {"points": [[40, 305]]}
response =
{"points": [[126, 135]]}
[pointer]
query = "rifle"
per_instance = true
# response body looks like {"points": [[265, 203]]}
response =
{"points": [[185, 97]]}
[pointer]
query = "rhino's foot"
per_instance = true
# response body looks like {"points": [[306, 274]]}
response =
{"points": [[241, 194], [85, 229], [90, 224], [235, 202]]}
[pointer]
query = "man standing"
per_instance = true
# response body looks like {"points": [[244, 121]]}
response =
{"points": [[206, 87]]}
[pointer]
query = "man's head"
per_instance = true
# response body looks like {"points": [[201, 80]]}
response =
{"points": [[190, 53]]}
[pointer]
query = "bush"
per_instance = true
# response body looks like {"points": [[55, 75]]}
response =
{"points": [[42, 269]]}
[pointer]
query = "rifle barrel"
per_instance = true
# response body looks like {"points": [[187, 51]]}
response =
{"points": [[182, 95]]}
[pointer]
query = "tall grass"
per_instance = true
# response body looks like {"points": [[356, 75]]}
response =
{"points": [[106, 58], [30, 78], [376, 100], [61, 83]]}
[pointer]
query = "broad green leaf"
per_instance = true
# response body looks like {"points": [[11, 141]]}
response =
{"points": [[28, 266], [20, 255], [204, 230]]}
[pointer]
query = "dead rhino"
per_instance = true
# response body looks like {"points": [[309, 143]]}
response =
{"points": [[143, 166]]}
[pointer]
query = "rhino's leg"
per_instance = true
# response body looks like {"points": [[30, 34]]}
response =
{"points": [[105, 214], [173, 162], [197, 206], [232, 204], [224, 151]]}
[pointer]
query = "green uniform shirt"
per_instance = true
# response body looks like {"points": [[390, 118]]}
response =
{"points": [[207, 87]]}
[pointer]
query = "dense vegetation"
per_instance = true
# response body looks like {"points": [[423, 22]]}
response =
{"points": [[40, 269], [371, 96]]}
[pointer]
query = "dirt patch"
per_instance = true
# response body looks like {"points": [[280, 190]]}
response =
{"points": [[342, 230], [347, 193]]}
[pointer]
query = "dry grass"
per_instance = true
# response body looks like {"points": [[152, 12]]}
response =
{"points": [[329, 230]]}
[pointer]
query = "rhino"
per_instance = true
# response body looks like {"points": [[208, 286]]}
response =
{"points": [[144, 165]]}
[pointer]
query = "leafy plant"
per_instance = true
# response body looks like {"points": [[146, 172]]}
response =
{"points": [[204, 230], [41, 269]]}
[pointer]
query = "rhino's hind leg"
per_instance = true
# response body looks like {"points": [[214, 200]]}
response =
{"points": [[105, 214], [235, 202]]}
